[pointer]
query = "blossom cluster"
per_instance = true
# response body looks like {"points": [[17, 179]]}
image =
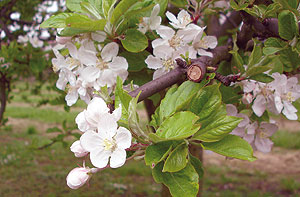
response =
{"points": [[87, 67], [188, 40], [102, 139]]}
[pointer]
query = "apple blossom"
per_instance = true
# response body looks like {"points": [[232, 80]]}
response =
{"points": [[152, 22], [182, 20], [78, 177], [108, 144]]}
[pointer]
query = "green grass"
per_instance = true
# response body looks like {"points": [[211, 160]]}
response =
{"points": [[44, 115], [285, 139]]}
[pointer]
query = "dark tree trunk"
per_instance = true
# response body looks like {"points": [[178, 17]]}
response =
{"points": [[3, 98]]}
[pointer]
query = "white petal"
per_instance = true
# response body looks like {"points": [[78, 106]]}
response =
{"points": [[171, 17], [268, 128], [153, 62], [71, 97], [123, 138], [81, 121], [165, 32], [107, 123], [110, 51], [202, 52], [118, 113], [118, 63], [159, 72], [211, 40], [118, 158], [99, 158], [289, 111], [90, 74], [95, 110], [231, 110], [72, 50], [99, 36], [278, 103], [263, 144], [91, 141]]}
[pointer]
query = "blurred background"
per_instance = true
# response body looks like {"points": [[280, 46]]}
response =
{"points": [[37, 128]]}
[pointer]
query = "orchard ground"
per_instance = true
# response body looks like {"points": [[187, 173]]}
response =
{"points": [[25, 171]]}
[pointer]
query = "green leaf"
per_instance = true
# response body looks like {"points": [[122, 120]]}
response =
{"points": [[107, 6], [232, 146], [54, 130], [155, 153], [287, 25], [135, 41], [121, 9], [206, 101], [218, 128], [290, 59], [68, 31], [179, 3], [89, 8], [136, 61], [181, 183], [177, 159], [179, 126], [263, 65], [230, 94], [237, 63], [56, 21], [123, 98], [85, 23], [255, 55], [262, 77], [197, 165], [74, 5]]}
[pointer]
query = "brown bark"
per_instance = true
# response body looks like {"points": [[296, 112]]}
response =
{"points": [[3, 99]]}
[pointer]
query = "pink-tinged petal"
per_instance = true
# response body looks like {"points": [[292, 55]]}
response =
{"points": [[123, 138], [77, 177], [259, 105], [78, 150], [238, 131], [91, 141], [231, 110], [62, 81], [249, 86], [263, 144], [155, 11], [108, 77], [289, 111], [157, 42], [192, 52], [245, 120], [155, 22], [159, 72], [153, 62], [81, 121], [118, 158], [249, 138], [291, 82], [202, 52], [90, 74], [278, 103], [99, 157], [252, 128], [110, 51], [165, 32], [86, 57], [268, 128], [118, 63]]}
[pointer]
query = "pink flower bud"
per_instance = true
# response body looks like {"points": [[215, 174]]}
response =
{"points": [[63, 40], [78, 177], [77, 149]]}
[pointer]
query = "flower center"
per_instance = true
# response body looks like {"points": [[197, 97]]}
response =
{"points": [[202, 44], [168, 64], [262, 134], [175, 41], [73, 62], [109, 144], [289, 97], [186, 20], [55, 68], [102, 65]]}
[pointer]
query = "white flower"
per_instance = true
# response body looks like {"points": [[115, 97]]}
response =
{"points": [[98, 36], [63, 40], [263, 132], [286, 92], [182, 20], [36, 42], [108, 144], [152, 22], [96, 111], [163, 60], [77, 149], [78, 177], [105, 69], [22, 39]]}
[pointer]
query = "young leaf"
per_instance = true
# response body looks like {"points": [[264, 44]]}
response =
{"points": [[177, 160], [181, 183], [179, 126], [74, 5], [56, 21], [231, 146], [197, 165], [287, 25], [106, 6], [121, 9], [89, 8], [85, 23], [69, 31], [123, 98], [135, 41]]}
